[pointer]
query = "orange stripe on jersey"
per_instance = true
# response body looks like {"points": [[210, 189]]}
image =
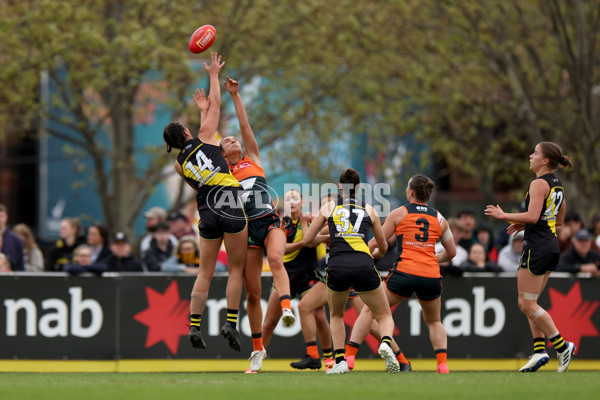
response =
{"points": [[246, 168], [416, 235]]}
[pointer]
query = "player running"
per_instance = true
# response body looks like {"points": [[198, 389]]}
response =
{"points": [[417, 227], [351, 264], [546, 207]]}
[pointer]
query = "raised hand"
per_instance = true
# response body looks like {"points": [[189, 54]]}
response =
{"points": [[201, 100], [215, 64], [231, 85]]}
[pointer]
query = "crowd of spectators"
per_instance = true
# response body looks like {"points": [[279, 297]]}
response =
{"points": [[170, 244]]}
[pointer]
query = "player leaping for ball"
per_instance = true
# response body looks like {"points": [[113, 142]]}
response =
{"points": [[204, 168], [265, 231]]}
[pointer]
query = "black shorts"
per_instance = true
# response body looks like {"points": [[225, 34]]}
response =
{"points": [[302, 281], [404, 285], [258, 229], [538, 262], [213, 224], [362, 279]]}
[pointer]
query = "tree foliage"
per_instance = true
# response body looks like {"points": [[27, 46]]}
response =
{"points": [[479, 82]]}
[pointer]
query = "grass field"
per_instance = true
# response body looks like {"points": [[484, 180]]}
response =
{"points": [[307, 385]]}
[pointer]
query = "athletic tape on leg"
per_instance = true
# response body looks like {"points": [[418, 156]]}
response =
{"points": [[530, 296], [540, 311]]}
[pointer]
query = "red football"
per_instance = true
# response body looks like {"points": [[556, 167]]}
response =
{"points": [[202, 38]]}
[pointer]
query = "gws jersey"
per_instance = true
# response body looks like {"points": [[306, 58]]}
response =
{"points": [[416, 235], [255, 195]]}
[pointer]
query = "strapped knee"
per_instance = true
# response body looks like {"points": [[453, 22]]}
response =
{"points": [[538, 313]]}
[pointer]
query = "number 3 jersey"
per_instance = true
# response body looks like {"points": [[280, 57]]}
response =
{"points": [[416, 235], [349, 226], [205, 168], [542, 234]]}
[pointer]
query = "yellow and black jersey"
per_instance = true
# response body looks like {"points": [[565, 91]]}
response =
{"points": [[257, 200], [542, 234], [349, 226], [302, 259], [207, 170]]}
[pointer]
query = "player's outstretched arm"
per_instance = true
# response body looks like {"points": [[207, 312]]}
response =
{"points": [[202, 103], [250, 144], [209, 127]]}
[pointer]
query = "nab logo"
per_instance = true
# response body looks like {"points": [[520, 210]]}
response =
{"points": [[166, 317], [421, 208], [572, 315]]}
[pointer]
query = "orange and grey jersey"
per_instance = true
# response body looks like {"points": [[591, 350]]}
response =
{"points": [[416, 235], [205, 168], [349, 226], [542, 234], [255, 195]]}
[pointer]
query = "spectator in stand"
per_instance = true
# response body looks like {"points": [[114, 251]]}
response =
{"points": [[179, 225], [70, 238], [160, 249], [509, 257], [478, 261], [4, 263], [186, 257], [596, 232], [34, 259], [12, 247], [121, 259], [484, 235], [566, 232], [154, 216], [452, 267], [97, 239], [580, 257], [467, 219], [82, 262]]}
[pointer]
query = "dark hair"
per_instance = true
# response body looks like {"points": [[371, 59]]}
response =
{"points": [[572, 216], [553, 153], [465, 211], [422, 185], [173, 136], [351, 178], [102, 231]]}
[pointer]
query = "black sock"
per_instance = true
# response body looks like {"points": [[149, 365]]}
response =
{"points": [[232, 318], [539, 345], [559, 343], [339, 356], [328, 353], [195, 320], [387, 340]]}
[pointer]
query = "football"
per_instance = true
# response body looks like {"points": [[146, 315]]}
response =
{"points": [[202, 38]]}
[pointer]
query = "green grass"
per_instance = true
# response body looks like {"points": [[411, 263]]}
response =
{"points": [[310, 385]]}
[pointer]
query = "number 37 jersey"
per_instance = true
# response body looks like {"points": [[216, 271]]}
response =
{"points": [[205, 168], [416, 235], [349, 226]]}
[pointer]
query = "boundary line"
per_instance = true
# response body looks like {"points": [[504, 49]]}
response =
{"points": [[274, 365]]}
